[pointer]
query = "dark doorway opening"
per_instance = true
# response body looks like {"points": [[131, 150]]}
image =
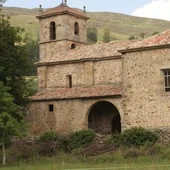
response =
{"points": [[104, 118]]}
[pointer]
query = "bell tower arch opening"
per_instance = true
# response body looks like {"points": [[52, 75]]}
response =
{"points": [[52, 30], [76, 28], [104, 118]]}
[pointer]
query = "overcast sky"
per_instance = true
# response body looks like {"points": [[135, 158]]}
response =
{"points": [[146, 8]]}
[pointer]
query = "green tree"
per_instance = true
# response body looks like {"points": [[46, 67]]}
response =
{"points": [[154, 33], [14, 61], [92, 35], [132, 37], [142, 35], [11, 123], [32, 48], [106, 35]]}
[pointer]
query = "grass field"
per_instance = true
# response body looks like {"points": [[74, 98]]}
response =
{"points": [[122, 26], [115, 160]]}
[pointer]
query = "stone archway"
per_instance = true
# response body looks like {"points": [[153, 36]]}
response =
{"points": [[104, 118]]}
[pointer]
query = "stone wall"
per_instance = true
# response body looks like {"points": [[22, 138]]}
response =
{"points": [[164, 136], [64, 28], [106, 72], [67, 116], [64, 34], [144, 101]]}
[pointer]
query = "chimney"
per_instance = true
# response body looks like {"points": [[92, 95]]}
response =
{"points": [[84, 10], [40, 9]]}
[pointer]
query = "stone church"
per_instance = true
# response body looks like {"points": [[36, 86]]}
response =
{"points": [[107, 87]]}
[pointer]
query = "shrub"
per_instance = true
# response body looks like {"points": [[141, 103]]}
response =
{"points": [[81, 138], [139, 137], [116, 139], [47, 148], [49, 136], [135, 137], [64, 144]]}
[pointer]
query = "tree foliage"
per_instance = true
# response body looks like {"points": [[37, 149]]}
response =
{"points": [[132, 37], [32, 48], [92, 35], [106, 35], [142, 35], [156, 32], [14, 61], [11, 122]]}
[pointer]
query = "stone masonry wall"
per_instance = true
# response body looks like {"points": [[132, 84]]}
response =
{"points": [[64, 32], [144, 101], [68, 115], [64, 28], [106, 72]]}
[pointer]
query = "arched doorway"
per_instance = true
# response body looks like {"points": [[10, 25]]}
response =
{"points": [[104, 118]]}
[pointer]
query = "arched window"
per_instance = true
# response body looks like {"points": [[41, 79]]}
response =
{"points": [[52, 30], [76, 28], [73, 46]]}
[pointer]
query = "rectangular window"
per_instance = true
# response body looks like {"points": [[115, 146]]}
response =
{"points": [[69, 81], [167, 80], [51, 107]]}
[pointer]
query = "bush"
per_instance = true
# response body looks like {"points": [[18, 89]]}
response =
{"points": [[135, 137], [49, 136], [64, 144], [81, 138], [47, 148]]}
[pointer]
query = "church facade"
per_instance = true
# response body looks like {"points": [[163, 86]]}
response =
{"points": [[107, 87]]}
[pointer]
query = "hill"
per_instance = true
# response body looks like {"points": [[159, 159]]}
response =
{"points": [[122, 26]]}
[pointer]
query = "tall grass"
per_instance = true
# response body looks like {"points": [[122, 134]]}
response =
{"points": [[119, 159]]}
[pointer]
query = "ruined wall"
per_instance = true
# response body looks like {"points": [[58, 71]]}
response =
{"points": [[144, 101], [68, 115]]}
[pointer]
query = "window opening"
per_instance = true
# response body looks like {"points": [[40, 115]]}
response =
{"points": [[76, 28], [73, 46], [69, 81], [167, 80], [52, 30], [51, 107]]}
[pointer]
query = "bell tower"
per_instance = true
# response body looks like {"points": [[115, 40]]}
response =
{"points": [[61, 28]]}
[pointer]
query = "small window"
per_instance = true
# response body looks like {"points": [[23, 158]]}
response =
{"points": [[69, 81], [51, 107], [52, 30], [76, 28], [167, 80], [73, 46]]}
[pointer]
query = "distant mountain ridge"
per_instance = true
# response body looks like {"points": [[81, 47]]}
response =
{"points": [[122, 26]]}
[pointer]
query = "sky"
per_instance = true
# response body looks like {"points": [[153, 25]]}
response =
{"points": [[145, 8]]}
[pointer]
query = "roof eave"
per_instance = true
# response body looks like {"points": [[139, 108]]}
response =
{"points": [[61, 13], [77, 61], [124, 51], [81, 97]]}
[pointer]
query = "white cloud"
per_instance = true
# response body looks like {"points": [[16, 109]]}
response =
{"points": [[156, 9]]}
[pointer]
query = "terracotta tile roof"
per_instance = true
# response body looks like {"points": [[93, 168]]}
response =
{"points": [[157, 40], [63, 9], [75, 93], [95, 51]]}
